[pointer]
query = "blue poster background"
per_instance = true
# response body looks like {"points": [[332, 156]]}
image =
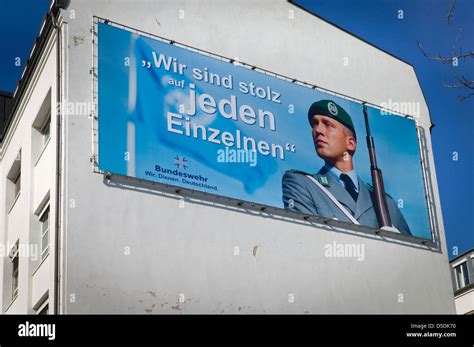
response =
{"points": [[136, 97]]}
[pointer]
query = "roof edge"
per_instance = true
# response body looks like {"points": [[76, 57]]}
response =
{"points": [[37, 50], [462, 255]]}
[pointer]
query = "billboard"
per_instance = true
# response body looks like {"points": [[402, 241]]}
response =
{"points": [[171, 115]]}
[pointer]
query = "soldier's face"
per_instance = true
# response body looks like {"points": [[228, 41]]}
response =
{"points": [[332, 140]]}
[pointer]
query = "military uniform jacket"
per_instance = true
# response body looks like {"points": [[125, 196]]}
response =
{"points": [[303, 195]]}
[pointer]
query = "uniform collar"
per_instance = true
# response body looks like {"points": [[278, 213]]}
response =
{"points": [[337, 173], [336, 188]]}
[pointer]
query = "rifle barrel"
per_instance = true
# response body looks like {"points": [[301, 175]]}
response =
{"points": [[381, 208]]}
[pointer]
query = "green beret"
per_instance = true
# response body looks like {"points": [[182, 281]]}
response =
{"points": [[330, 109]]}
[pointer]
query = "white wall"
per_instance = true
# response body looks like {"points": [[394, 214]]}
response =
{"points": [[465, 302], [190, 250]]}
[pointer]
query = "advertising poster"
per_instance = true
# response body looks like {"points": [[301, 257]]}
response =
{"points": [[171, 115]]}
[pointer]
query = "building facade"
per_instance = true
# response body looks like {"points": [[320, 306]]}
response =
{"points": [[77, 240], [462, 274]]}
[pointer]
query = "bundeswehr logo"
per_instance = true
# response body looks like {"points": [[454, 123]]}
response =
{"points": [[180, 162], [332, 108]]}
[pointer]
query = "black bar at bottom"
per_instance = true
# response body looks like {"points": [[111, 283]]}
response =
{"points": [[449, 330]]}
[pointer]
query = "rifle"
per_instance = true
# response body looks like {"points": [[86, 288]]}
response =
{"points": [[381, 208]]}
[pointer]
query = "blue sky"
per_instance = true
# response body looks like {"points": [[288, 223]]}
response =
{"points": [[376, 22]]}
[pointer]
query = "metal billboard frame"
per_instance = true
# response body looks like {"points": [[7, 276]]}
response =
{"points": [[127, 182]]}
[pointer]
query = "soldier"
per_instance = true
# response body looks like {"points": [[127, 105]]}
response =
{"points": [[336, 191]]}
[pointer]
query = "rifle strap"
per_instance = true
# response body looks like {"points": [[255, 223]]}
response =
{"points": [[334, 200]]}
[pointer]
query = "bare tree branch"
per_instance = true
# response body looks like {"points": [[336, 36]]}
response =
{"points": [[450, 11], [459, 82], [466, 83], [463, 83], [464, 97], [460, 85], [444, 60]]}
